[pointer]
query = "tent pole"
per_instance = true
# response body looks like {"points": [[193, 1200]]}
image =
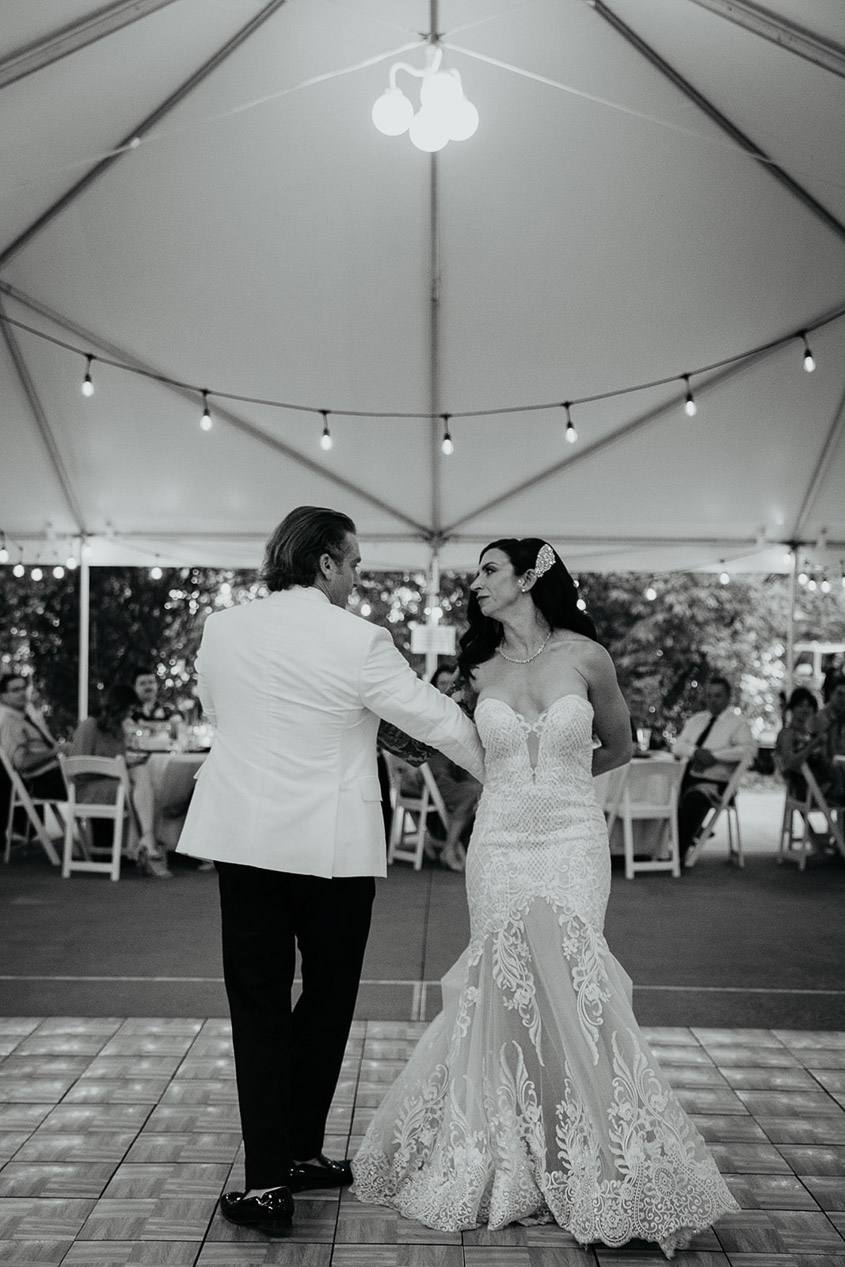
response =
{"points": [[84, 630], [431, 654], [790, 621]]}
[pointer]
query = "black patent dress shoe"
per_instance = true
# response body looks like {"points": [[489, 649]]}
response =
{"points": [[271, 1212], [321, 1172]]}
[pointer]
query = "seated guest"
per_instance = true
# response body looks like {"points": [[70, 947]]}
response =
{"points": [[105, 736], [795, 744], [715, 741], [460, 791], [26, 740], [829, 726], [147, 706]]}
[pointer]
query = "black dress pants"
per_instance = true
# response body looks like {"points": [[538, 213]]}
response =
{"points": [[287, 1061], [696, 798]]}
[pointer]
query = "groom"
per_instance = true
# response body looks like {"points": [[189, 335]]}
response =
{"points": [[288, 807]]}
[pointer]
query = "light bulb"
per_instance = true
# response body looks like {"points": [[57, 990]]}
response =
{"points": [[428, 131], [58, 571], [18, 570], [4, 555], [690, 407], [463, 121], [87, 385], [205, 421], [70, 563], [825, 586], [441, 92], [724, 577], [803, 578], [326, 441], [36, 574], [809, 360], [155, 573], [393, 112], [651, 593], [571, 433], [581, 605], [447, 447]]}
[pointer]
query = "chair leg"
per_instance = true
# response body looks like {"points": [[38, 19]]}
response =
{"points": [[628, 837], [116, 845]]}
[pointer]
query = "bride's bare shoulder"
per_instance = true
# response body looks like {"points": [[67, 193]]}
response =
{"points": [[586, 653]]}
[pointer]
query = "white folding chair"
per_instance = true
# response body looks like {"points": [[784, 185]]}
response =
{"points": [[649, 791], [832, 813], [21, 798], [83, 812], [723, 803], [406, 841]]}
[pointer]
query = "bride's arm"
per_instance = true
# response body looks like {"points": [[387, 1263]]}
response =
{"points": [[611, 721]]}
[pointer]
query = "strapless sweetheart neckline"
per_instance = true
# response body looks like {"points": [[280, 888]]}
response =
{"points": [[540, 719]]}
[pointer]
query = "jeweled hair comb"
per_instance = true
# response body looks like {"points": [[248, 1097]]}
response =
{"points": [[545, 559]]}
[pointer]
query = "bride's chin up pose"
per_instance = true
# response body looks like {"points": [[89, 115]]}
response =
{"points": [[533, 1096]]}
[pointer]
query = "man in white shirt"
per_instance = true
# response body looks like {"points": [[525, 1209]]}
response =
{"points": [[26, 740], [288, 806], [714, 741]]}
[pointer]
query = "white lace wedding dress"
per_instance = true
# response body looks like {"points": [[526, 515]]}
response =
{"points": [[533, 1095]]}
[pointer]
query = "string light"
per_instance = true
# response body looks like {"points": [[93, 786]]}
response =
{"points": [[155, 573], [690, 407], [447, 445], [205, 421], [570, 433], [18, 570], [326, 441], [70, 563], [724, 578], [689, 401], [825, 586], [58, 571], [651, 593], [87, 386], [36, 574]]}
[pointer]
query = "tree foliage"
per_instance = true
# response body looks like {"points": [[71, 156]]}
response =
{"points": [[665, 635]]}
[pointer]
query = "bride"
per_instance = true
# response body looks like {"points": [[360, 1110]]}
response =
{"points": [[533, 1096]]}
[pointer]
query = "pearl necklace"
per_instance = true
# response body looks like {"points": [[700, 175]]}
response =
{"points": [[513, 659]]}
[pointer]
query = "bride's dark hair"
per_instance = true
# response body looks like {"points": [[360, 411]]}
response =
{"points": [[554, 593]]}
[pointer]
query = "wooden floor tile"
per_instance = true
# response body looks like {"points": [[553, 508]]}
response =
{"points": [[34, 1253], [55, 1179]]}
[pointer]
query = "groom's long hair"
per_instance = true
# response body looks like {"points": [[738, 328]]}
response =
{"points": [[555, 596], [292, 554]]}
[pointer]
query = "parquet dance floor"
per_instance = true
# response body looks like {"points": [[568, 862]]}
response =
{"points": [[117, 1137]]}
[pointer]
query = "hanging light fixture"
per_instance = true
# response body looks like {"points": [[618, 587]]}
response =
{"points": [[690, 407], [445, 113], [87, 388], [570, 433]]}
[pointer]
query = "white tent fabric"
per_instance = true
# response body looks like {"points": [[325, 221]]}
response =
{"points": [[194, 189]]}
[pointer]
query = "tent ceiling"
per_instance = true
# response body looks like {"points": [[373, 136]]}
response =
{"points": [[605, 228]]}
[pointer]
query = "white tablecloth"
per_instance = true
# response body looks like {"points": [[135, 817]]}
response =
{"points": [[172, 775]]}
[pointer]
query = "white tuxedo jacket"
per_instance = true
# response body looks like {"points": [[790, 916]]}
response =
{"points": [[295, 688]]}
